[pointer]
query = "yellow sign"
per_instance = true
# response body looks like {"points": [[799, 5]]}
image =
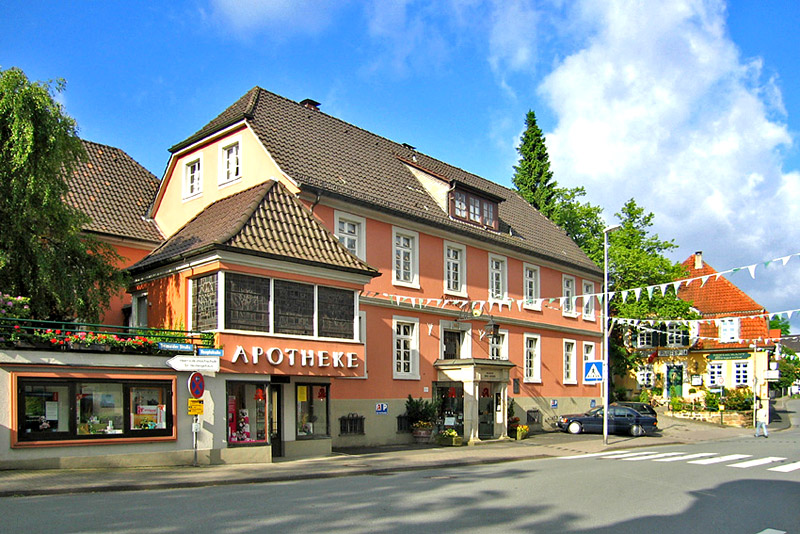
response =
{"points": [[722, 407], [195, 406]]}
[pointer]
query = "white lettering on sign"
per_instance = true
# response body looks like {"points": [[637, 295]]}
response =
{"points": [[275, 356], [240, 353], [272, 359]]}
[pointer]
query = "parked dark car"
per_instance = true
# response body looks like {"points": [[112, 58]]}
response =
{"points": [[641, 407], [621, 420]]}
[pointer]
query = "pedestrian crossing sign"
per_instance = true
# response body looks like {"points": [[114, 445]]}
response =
{"points": [[592, 371]]}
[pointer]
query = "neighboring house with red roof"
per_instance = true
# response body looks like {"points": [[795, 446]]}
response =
{"points": [[115, 192], [727, 346]]}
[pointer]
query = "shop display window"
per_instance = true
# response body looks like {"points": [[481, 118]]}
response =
{"points": [[68, 409], [312, 411], [247, 409]]}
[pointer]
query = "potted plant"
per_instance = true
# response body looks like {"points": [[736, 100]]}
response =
{"points": [[421, 414], [522, 431], [449, 437]]}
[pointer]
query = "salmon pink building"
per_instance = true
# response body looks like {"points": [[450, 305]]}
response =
{"points": [[340, 273]]}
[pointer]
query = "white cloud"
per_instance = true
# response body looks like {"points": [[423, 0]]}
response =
{"points": [[282, 16], [657, 104]]}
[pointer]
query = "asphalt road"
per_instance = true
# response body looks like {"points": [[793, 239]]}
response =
{"points": [[738, 484], [653, 489]]}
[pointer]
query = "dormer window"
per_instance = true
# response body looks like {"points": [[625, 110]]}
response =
{"points": [[474, 207]]}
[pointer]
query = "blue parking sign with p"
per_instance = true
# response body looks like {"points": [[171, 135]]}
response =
{"points": [[592, 371]]}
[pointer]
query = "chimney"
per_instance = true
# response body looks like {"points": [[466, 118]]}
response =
{"points": [[698, 260], [310, 104]]}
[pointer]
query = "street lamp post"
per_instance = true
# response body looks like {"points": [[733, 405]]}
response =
{"points": [[606, 366]]}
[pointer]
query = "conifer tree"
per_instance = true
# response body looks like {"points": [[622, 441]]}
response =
{"points": [[532, 175]]}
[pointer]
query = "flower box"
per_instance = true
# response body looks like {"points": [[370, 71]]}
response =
{"points": [[450, 441]]}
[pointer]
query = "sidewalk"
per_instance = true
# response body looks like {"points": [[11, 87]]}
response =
{"points": [[350, 462]]}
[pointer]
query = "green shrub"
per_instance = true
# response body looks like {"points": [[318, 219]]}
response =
{"points": [[420, 410]]}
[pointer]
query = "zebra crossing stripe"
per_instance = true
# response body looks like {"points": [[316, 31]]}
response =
{"points": [[720, 459], [686, 457], [625, 456], [651, 457], [786, 468], [591, 455], [759, 461]]}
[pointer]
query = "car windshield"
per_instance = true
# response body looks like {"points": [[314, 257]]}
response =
{"points": [[595, 412]]}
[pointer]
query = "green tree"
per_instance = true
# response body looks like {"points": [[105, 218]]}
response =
{"points": [[782, 323], [43, 253], [581, 221], [532, 175], [636, 260]]}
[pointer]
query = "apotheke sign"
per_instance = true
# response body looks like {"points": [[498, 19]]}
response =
{"points": [[297, 357]]}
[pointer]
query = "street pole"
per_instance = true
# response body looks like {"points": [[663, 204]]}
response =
{"points": [[606, 366]]}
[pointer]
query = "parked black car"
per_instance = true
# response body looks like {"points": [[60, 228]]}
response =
{"points": [[621, 420], [641, 407]]}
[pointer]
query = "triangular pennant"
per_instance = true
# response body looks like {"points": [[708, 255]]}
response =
{"points": [[663, 288], [650, 291], [625, 296], [637, 292], [785, 259], [752, 269], [704, 279]]}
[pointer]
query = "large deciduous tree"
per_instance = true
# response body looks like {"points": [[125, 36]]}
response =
{"points": [[43, 253], [636, 260]]}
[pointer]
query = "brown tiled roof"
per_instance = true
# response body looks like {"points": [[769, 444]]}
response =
{"points": [[265, 220], [333, 157], [717, 298], [115, 192]]}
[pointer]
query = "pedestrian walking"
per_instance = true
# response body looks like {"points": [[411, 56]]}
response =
{"points": [[762, 417]]}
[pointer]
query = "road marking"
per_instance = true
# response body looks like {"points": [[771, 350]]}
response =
{"points": [[651, 457], [720, 459], [786, 468], [759, 461], [628, 455], [771, 531], [591, 455], [686, 457]]}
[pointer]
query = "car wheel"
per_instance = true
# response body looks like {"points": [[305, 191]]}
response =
{"points": [[637, 430], [574, 428]]}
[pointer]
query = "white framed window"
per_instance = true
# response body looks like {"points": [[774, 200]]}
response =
{"points": [[406, 348], [139, 307], [488, 214], [531, 285], [498, 278], [676, 335], [644, 375], [230, 162], [350, 230], [728, 330], [588, 301], [455, 269], [475, 209], [533, 359], [741, 373], [645, 338], [456, 340], [193, 177], [406, 258], [570, 371], [498, 346], [461, 204], [568, 292], [589, 352], [714, 374]]}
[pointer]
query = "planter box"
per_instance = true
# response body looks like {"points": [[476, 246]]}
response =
{"points": [[422, 435], [448, 441]]}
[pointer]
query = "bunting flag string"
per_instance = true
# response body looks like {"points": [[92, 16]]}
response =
{"points": [[561, 301]]}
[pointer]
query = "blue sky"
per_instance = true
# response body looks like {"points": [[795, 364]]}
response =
{"points": [[691, 107]]}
